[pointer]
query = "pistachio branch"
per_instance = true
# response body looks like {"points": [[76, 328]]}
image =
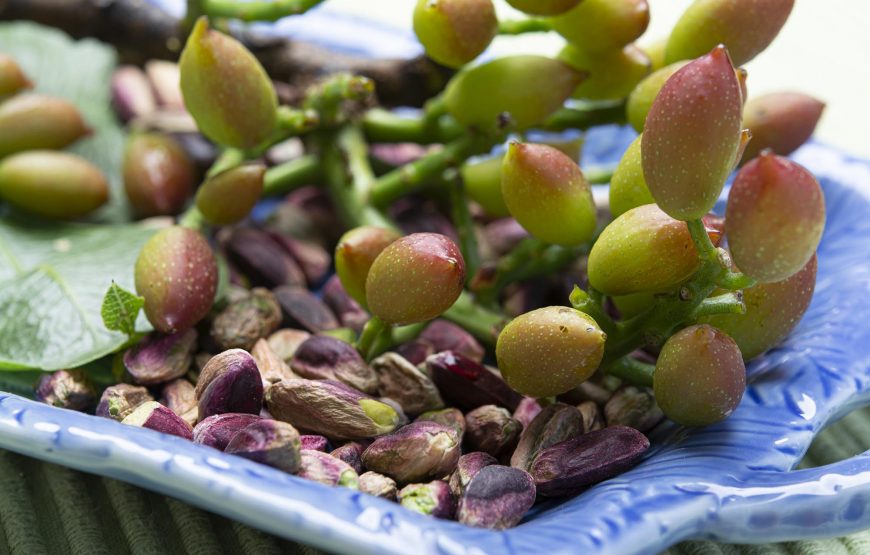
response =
{"points": [[520, 26], [461, 217], [584, 116], [264, 10], [480, 322], [633, 371], [283, 178]]}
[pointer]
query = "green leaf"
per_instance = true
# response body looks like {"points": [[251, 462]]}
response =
{"points": [[53, 277], [79, 71], [120, 309]]}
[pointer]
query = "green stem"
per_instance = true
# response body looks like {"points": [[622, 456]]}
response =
{"points": [[265, 10], [728, 303], [461, 217], [283, 178], [228, 159], [370, 333], [735, 280], [330, 98], [592, 304], [633, 371], [384, 126], [293, 122], [482, 323], [193, 12], [586, 116], [519, 26], [396, 336], [599, 175], [192, 218]]}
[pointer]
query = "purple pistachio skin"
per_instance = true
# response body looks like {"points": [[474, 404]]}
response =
{"points": [[433, 499], [154, 416], [497, 497], [313, 259], [326, 469], [569, 466], [67, 389], [526, 411], [635, 407], [452, 418], [554, 424], [322, 357], [263, 261], [270, 442], [416, 352], [378, 485], [315, 443], [217, 431], [179, 396], [419, 451], [403, 382], [230, 382], [118, 401], [467, 468], [351, 453], [303, 310], [161, 357], [492, 430], [349, 312], [466, 384], [447, 336]]}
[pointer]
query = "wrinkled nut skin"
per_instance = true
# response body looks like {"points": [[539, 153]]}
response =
{"points": [[52, 184], [179, 396], [627, 186], [634, 407], [691, 136], [774, 218], [482, 180], [450, 417], [217, 431], [781, 122], [176, 272], [322, 357], [454, 32], [555, 423], [261, 259], [603, 25], [378, 485], [547, 193], [569, 466], [492, 430], [313, 259], [34, 122], [415, 279], [354, 255], [243, 322], [226, 90], [160, 358], [432, 499], [315, 443], [550, 350], [497, 497], [12, 78], [230, 382], [746, 27], [528, 88], [350, 313], [416, 452], [467, 468], [326, 469], [526, 411], [403, 382], [269, 442], [612, 74], [351, 453], [272, 367], [229, 196], [591, 415], [772, 311], [467, 384], [699, 377], [644, 94], [302, 309], [543, 7], [643, 250], [118, 401], [285, 342], [158, 175], [67, 389], [154, 416], [330, 408]]}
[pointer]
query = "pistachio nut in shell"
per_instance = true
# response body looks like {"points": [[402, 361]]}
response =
{"points": [[243, 322], [229, 383], [321, 357], [491, 429], [454, 32], [403, 382], [432, 499], [322, 467], [229, 196], [66, 389], [378, 485], [467, 468], [160, 357], [416, 452], [217, 430], [34, 121], [158, 175], [118, 401]]}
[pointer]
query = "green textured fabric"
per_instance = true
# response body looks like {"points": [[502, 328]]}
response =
{"points": [[50, 509]]}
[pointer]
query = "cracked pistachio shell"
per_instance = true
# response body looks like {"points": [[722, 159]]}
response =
{"points": [[547, 193], [482, 180], [354, 255], [780, 121], [34, 121], [627, 186], [158, 175], [229, 196], [12, 78], [419, 451], [772, 311], [603, 25], [692, 134], [403, 382], [226, 90], [67, 389], [497, 497], [432, 499], [550, 350], [454, 32], [612, 74], [243, 322], [52, 184], [642, 250], [543, 7], [526, 88], [154, 416], [644, 94], [118, 401], [699, 377], [774, 218], [176, 272], [633, 406], [415, 279], [491, 429], [746, 27]]}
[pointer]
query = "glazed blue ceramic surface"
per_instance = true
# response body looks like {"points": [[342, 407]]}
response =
{"points": [[730, 482]]}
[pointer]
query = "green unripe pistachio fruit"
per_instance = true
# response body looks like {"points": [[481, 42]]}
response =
{"points": [[612, 74], [454, 32], [52, 184], [12, 78], [603, 25], [772, 311], [543, 7], [158, 175], [226, 90], [632, 305], [415, 279], [699, 377], [641, 98], [774, 218], [627, 186], [643, 250], [34, 121], [655, 51], [549, 351], [354, 255], [692, 134], [229, 196], [177, 274], [746, 27], [547, 193], [526, 88], [781, 122], [482, 179]]}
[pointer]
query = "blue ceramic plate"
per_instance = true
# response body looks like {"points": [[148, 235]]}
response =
{"points": [[730, 482]]}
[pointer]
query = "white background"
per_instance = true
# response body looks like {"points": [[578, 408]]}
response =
{"points": [[824, 51]]}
